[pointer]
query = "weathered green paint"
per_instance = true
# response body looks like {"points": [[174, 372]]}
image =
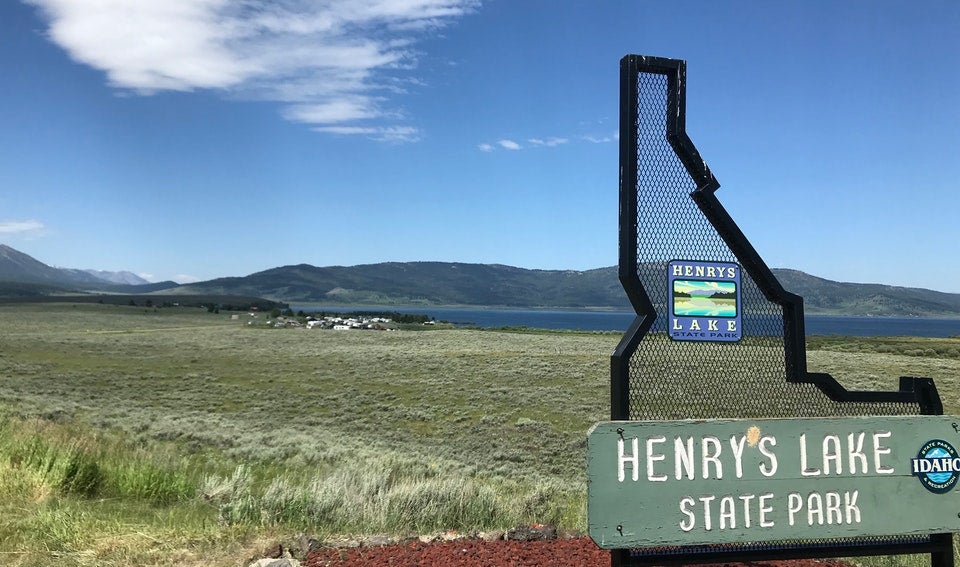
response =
{"points": [[880, 497]]}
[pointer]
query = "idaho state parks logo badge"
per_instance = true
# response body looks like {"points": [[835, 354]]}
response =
{"points": [[937, 465]]}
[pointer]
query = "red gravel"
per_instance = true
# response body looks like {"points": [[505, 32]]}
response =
{"points": [[579, 552]]}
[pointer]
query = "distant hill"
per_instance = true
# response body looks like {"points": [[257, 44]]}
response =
{"points": [[427, 283], [17, 267], [451, 283], [442, 283], [122, 278], [821, 296]]}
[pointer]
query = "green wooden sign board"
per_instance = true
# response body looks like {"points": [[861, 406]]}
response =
{"points": [[667, 483]]}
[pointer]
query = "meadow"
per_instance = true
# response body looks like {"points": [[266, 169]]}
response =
{"points": [[156, 436]]}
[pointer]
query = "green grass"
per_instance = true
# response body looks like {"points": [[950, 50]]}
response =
{"points": [[300, 396], [877, 362], [331, 432], [135, 436], [906, 346]]}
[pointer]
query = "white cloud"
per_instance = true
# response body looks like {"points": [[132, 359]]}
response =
{"points": [[509, 144], [333, 112], [147, 276], [549, 142], [381, 134], [330, 61], [21, 227], [603, 139]]}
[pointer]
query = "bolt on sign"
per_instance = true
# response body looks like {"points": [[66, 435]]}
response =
{"points": [[722, 445]]}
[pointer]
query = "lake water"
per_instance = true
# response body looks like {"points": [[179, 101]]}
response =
{"points": [[619, 321]]}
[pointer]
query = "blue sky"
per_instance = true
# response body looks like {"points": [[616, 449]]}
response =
{"points": [[202, 138]]}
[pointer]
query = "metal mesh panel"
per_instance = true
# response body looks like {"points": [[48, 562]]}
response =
{"points": [[764, 374], [681, 379]]}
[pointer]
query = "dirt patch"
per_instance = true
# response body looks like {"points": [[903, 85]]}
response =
{"points": [[578, 552]]}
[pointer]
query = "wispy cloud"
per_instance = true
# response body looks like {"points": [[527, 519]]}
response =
{"points": [[549, 142], [382, 134], [335, 62], [22, 227], [513, 145], [603, 139]]}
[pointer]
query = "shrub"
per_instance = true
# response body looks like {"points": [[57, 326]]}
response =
{"points": [[82, 476]]}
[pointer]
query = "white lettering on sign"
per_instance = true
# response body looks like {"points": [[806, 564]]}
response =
{"points": [[935, 465], [737, 448], [654, 458], [693, 327], [697, 271], [765, 509], [710, 457], [880, 450], [729, 512], [831, 455], [855, 452], [683, 461], [824, 508], [766, 444], [633, 459]]}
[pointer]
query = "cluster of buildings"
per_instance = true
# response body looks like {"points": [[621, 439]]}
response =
{"points": [[344, 324], [335, 322]]}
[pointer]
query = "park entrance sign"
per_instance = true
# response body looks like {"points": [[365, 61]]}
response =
{"points": [[709, 482], [722, 446]]}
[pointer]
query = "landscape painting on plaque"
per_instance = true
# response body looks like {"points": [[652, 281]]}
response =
{"points": [[705, 302]]}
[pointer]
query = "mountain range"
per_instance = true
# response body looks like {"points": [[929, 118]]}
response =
{"points": [[20, 268], [450, 283]]}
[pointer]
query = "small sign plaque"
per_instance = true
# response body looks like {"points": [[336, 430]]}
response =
{"points": [[704, 301], [722, 481]]}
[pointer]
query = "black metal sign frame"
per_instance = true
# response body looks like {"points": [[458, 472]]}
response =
{"points": [[917, 393]]}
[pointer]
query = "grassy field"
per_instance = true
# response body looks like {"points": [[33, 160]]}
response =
{"points": [[136, 436]]}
